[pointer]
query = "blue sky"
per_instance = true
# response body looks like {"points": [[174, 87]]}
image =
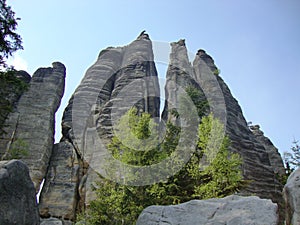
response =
{"points": [[255, 44]]}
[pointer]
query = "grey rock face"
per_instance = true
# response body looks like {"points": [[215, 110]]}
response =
{"points": [[13, 97], [51, 221], [59, 194], [262, 162], [231, 210], [257, 166], [33, 120], [291, 193], [121, 77], [274, 156], [17, 195], [180, 76], [10, 93], [55, 221]]}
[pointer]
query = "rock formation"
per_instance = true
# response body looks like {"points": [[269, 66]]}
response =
{"points": [[274, 156], [126, 76], [262, 162], [18, 203], [233, 210], [120, 78], [179, 77], [291, 193], [32, 123], [59, 196]]}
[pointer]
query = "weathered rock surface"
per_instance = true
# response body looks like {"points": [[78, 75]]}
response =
{"points": [[291, 193], [262, 162], [59, 194], [231, 210], [274, 156], [10, 93], [121, 77], [18, 203], [51, 221], [180, 76], [55, 221], [33, 121], [101, 94], [257, 166]]}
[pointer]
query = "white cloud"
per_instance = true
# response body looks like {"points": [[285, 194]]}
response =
{"points": [[18, 62]]}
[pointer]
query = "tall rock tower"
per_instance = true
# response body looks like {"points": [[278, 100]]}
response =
{"points": [[121, 78], [262, 163], [32, 121]]}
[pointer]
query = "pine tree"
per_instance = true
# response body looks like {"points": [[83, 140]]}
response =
{"points": [[10, 41], [293, 158], [118, 203]]}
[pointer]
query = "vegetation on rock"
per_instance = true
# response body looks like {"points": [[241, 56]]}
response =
{"points": [[196, 96], [118, 203]]}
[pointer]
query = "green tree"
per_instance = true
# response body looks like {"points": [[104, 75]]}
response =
{"points": [[115, 204], [10, 41], [292, 158], [219, 174], [198, 99], [118, 203]]}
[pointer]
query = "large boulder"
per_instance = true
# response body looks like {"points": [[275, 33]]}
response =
{"points": [[17, 195], [233, 210], [291, 193]]}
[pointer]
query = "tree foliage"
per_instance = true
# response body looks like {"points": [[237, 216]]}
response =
{"points": [[292, 158], [198, 99], [119, 203], [10, 41], [222, 175]]}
